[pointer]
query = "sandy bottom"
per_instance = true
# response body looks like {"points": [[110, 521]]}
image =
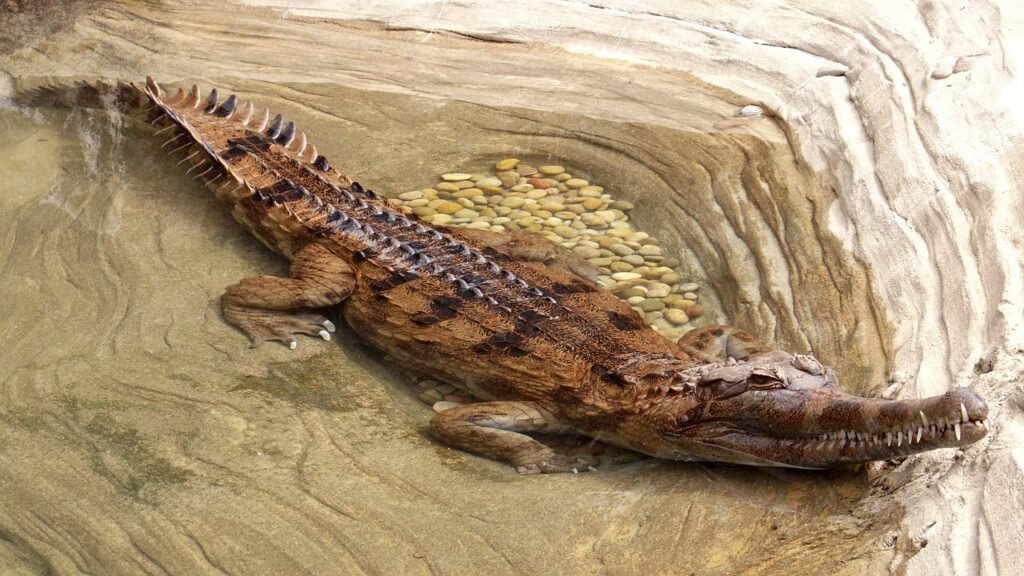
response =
{"points": [[140, 434]]}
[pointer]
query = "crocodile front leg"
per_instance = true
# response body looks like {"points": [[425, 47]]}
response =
{"points": [[720, 342], [275, 308], [497, 430]]}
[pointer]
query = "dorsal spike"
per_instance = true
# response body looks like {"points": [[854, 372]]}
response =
{"points": [[287, 135], [226, 109], [178, 98], [313, 152], [154, 87], [246, 113], [300, 146], [262, 124], [321, 164], [211, 101], [275, 127], [194, 96]]}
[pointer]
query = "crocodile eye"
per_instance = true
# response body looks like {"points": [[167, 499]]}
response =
{"points": [[763, 382]]}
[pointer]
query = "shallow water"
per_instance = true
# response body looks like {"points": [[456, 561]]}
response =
{"points": [[128, 397], [141, 434]]}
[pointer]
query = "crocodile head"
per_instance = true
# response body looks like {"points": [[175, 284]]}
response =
{"points": [[782, 409]]}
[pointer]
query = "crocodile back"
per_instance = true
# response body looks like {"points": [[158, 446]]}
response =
{"points": [[432, 298]]}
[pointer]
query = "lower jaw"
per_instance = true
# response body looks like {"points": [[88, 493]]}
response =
{"points": [[839, 451]]}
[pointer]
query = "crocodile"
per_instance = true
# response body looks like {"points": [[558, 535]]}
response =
{"points": [[517, 321]]}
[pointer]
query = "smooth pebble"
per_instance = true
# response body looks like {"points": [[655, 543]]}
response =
{"points": [[676, 316], [620, 249], [576, 214], [624, 276]]}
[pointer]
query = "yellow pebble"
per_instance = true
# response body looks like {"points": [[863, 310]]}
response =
{"points": [[449, 207], [506, 164]]}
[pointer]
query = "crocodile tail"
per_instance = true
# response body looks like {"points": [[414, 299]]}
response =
{"points": [[120, 96]]}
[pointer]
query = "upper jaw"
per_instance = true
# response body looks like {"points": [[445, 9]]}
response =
{"points": [[849, 429]]}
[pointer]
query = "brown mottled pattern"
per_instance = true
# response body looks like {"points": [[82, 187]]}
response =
{"points": [[562, 325], [513, 319]]}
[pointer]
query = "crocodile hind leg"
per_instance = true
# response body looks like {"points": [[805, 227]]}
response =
{"points": [[720, 342], [497, 430], [276, 308], [530, 247]]}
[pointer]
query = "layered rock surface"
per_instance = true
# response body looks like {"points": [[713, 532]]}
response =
{"points": [[871, 216]]}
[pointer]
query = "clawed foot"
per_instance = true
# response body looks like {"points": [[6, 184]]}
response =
{"points": [[559, 463], [274, 325]]}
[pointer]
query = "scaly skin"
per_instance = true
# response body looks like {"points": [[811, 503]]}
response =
{"points": [[516, 321]]}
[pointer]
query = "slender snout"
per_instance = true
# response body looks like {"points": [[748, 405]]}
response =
{"points": [[785, 409], [831, 428]]}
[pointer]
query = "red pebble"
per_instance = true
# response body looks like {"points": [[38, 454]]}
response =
{"points": [[537, 183]]}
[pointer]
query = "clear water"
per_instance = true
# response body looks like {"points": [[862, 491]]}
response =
{"points": [[140, 433]]}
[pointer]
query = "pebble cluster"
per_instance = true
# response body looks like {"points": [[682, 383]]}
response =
{"points": [[577, 214]]}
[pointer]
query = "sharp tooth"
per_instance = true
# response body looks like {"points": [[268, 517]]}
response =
{"points": [[899, 438], [888, 438], [963, 413], [924, 418], [984, 425], [956, 427], [920, 431]]}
